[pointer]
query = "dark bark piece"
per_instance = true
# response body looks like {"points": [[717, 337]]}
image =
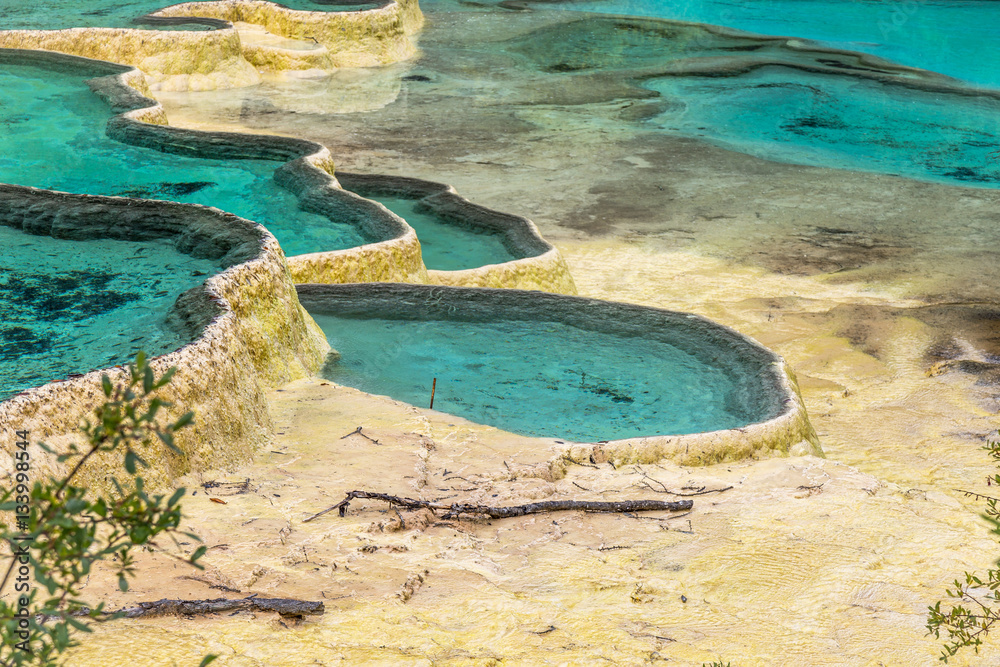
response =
{"points": [[455, 509], [165, 607]]}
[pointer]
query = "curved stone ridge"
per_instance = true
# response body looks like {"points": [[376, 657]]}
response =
{"points": [[785, 430], [219, 58], [351, 39], [308, 174], [251, 333], [540, 265], [254, 334]]}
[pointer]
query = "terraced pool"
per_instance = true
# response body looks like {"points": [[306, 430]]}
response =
{"points": [[446, 245], [542, 364], [54, 138]]}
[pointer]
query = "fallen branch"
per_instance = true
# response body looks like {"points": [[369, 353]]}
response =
{"points": [[455, 509], [284, 606]]}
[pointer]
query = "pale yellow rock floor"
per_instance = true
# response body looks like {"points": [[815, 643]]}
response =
{"points": [[804, 561], [854, 278]]}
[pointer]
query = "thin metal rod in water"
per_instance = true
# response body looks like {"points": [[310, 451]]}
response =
{"points": [[433, 389]]}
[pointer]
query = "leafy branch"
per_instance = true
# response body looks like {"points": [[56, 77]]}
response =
{"points": [[975, 610], [62, 530]]}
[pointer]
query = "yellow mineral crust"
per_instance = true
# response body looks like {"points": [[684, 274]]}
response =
{"points": [[180, 60], [353, 39], [174, 60], [396, 260], [802, 561]]}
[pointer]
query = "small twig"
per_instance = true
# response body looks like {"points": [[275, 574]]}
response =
{"points": [[701, 493], [977, 496], [698, 490], [208, 582], [543, 632], [647, 479], [357, 431]]}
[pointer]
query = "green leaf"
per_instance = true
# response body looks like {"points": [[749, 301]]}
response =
{"points": [[166, 377], [79, 625], [168, 440], [178, 494], [123, 583], [130, 459], [207, 660], [185, 419], [106, 385], [147, 380]]}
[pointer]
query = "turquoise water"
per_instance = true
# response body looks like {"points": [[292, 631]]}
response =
{"points": [[954, 37], [446, 246], [75, 306], [781, 113], [57, 14], [539, 378], [53, 137], [836, 121]]}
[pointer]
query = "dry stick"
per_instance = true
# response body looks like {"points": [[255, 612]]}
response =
{"points": [[284, 606], [702, 491], [357, 431], [455, 509], [433, 389]]}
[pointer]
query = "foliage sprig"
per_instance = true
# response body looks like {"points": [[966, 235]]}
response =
{"points": [[68, 530]]}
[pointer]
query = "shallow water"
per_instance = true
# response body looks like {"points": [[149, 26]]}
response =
{"points": [[446, 246], [833, 121], [543, 378], [781, 113], [957, 38], [54, 138], [74, 306]]}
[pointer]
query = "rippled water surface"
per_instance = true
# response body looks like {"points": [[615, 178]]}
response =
{"points": [[834, 121], [954, 37]]}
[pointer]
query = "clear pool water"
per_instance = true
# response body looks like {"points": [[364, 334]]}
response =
{"points": [[838, 121], [446, 246], [783, 113], [74, 306], [954, 37], [57, 14], [52, 136], [540, 378]]}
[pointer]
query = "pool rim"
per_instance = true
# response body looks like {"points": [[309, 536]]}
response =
{"points": [[787, 432]]}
